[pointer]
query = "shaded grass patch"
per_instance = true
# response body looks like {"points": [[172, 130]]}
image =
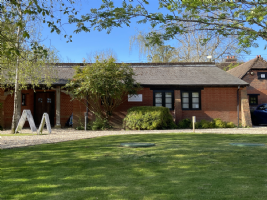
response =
{"points": [[180, 166]]}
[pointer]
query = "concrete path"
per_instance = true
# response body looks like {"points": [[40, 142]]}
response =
{"points": [[60, 135]]}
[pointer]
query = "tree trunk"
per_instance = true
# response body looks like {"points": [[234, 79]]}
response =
{"points": [[15, 115], [14, 118]]}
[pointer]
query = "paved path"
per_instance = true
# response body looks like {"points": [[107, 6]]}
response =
{"points": [[60, 135]]}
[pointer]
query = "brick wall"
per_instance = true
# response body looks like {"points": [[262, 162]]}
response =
{"points": [[66, 107], [2, 101], [257, 86], [117, 117], [8, 110], [215, 102]]}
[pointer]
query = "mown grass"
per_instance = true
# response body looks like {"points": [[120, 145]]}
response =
{"points": [[180, 166]]}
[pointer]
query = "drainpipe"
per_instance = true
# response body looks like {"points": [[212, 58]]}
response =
{"points": [[238, 106]]}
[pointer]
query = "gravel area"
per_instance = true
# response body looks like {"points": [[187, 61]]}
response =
{"points": [[60, 135]]}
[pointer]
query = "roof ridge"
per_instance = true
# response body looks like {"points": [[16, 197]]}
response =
{"points": [[254, 62], [240, 67], [241, 64]]}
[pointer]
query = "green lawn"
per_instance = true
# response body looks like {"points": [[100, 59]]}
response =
{"points": [[180, 166]]}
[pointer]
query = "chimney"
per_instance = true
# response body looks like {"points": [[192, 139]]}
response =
{"points": [[230, 59]]}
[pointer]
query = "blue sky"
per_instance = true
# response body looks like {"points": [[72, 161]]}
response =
{"points": [[118, 40]]}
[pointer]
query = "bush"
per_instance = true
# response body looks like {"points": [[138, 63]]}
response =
{"points": [[81, 125], [215, 123], [185, 123], [219, 123], [100, 124], [230, 125], [148, 118]]}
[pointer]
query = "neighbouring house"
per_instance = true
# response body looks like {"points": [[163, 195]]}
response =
{"points": [[253, 72], [187, 89]]}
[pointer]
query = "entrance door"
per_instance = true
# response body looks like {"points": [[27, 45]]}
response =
{"points": [[44, 102]]}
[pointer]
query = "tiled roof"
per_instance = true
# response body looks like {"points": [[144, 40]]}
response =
{"points": [[241, 70], [184, 74]]}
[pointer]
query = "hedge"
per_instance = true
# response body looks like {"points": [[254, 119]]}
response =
{"points": [[148, 118]]}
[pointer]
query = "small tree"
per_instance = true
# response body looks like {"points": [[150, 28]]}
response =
{"points": [[104, 85]]}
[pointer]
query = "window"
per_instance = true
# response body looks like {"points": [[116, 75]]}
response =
{"points": [[191, 100], [253, 99], [49, 100], [164, 98], [23, 99], [262, 75]]}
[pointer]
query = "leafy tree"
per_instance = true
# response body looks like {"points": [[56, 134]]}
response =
{"points": [[101, 55], [153, 53], [190, 47], [104, 85], [21, 56], [245, 19]]}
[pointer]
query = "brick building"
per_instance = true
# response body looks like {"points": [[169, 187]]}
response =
{"points": [[253, 72], [187, 89]]}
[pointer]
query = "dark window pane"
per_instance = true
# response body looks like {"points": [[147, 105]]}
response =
{"points": [[185, 100], [158, 100], [185, 105], [195, 100], [158, 94], [185, 94], [168, 100], [168, 94], [195, 105], [195, 94], [168, 105]]}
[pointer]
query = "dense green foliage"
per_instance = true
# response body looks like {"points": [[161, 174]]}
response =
{"points": [[104, 85], [148, 118], [246, 19], [17, 16], [215, 123], [180, 166]]}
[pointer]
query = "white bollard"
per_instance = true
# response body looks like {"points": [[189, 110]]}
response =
{"points": [[194, 121], [85, 123]]}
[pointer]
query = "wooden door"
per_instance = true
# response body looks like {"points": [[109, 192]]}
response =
{"points": [[44, 102]]}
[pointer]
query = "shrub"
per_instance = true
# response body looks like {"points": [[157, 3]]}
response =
{"points": [[148, 118], [100, 124], [185, 123], [219, 123], [230, 125], [81, 125], [215, 123]]}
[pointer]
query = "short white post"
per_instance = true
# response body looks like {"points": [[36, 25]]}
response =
{"points": [[85, 124], [194, 121]]}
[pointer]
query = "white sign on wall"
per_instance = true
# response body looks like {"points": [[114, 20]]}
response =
{"points": [[135, 98], [26, 114]]}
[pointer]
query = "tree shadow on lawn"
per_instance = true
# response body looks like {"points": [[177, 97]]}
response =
{"points": [[180, 166]]}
